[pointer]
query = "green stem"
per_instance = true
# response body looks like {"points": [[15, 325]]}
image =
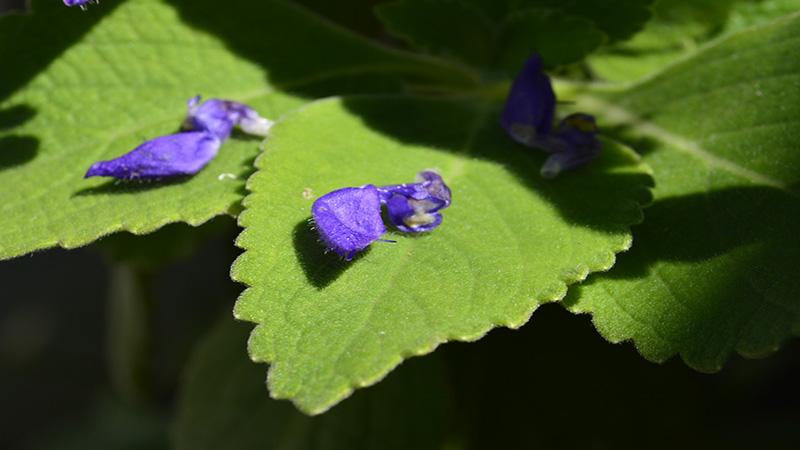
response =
{"points": [[129, 332]]}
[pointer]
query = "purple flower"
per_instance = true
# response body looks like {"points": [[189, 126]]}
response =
{"points": [[349, 220], [81, 3], [528, 119], [185, 153], [165, 156], [413, 207], [220, 116]]}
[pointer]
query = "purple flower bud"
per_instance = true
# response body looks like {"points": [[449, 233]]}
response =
{"points": [[531, 104], [220, 116], [165, 156], [413, 207], [349, 220], [82, 3], [528, 116]]}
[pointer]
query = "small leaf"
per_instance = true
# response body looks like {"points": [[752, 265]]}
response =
{"points": [[126, 77], [223, 406], [509, 241], [714, 269]]}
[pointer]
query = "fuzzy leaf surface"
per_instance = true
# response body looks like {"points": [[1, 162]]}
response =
{"points": [[88, 86]]}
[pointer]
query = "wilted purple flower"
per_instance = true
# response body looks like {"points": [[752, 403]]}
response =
{"points": [[349, 220], [188, 152], [165, 156], [413, 207], [81, 3], [528, 119], [220, 116]]}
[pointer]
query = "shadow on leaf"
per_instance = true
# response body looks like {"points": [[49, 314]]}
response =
{"points": [[17, 150], [320, 266], [129, 186]]}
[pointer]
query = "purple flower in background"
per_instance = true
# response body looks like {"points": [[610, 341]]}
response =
{"points": [[413, 207], [185, 153], [528, 119], [220, 116], [165, 156], [81, 3], [349, 220]]}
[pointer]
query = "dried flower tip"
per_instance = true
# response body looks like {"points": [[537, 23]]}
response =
{"points": [[166, 156], [413, 207], [349, 220], [220, 116]]}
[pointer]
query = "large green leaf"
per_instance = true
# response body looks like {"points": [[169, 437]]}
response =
{"points": [[490, 33], [92, 86], [223, 406], [715, 266], [510, 240]]}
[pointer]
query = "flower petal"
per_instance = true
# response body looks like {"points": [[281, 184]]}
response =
{"points": [[349, 220], [81, 3], [413, 207], [220, 116], [165, 156], [530, 105], [577, 138]]}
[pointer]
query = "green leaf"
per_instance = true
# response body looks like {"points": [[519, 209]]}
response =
{"points": [[677, 30], [714, 268], [223, 405], [92, 86], [510, 241], [492, 34], [747, 14]]}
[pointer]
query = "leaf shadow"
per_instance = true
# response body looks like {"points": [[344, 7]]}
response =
{"points": [[757, 223], [599, 195], [303, 53], [17, 150], [116, 187], [320, 266]]}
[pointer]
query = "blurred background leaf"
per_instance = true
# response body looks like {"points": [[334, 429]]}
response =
{"points": [[502, 34], [223, 404], [678, 28]]}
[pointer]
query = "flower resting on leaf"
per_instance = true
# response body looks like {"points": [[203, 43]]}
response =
{"points": [[348, 220], [181, 154], [528, 119]]}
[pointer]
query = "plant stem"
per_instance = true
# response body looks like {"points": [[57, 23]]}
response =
{"points": [[129, 332]]}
